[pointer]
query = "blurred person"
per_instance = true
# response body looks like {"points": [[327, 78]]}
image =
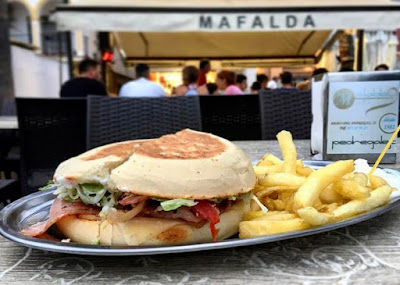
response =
{"points": [[87, 83], [241, 82], [263, 80], [255, 87], [273, 84], [306, 85], [141, 86], [190, 76], [346, 69], [212, 88], [287, 81], [226, 83], [205, 67], [318, 71], [382, 67]]}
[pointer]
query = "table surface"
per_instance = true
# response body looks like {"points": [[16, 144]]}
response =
{"points": [[366, 253], [8, 122]]}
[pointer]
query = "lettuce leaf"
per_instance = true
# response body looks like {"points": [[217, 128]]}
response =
{"points": [[90, 196], [159, 199], [49, 185], [174, 204], [91, 188]]}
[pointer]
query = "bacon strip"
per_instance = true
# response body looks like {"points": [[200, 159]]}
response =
{"points": [[132, 199], [59, 210]]}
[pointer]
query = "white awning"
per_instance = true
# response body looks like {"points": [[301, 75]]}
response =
{"points": [[227, 15], [304, 46]]}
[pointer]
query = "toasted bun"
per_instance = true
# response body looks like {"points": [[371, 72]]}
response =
{"points": [[150, 231], [95, 165], [189, 165]]}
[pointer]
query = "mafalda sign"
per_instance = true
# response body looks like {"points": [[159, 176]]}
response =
{"points": [[355, 114]]}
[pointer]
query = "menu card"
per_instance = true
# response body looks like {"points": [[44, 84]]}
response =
{"points": [[354, 115]]}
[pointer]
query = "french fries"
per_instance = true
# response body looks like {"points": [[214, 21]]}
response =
{"points": [[377, 182], [378, 197], [282, 179], [319, 180], [329, 195], [281, 216], [251, 229], [289, 152], [361, 179], [298, 197], [266, 169], [313, 217], [252, 215], [350, 189], [304, 171], [270, 159]]}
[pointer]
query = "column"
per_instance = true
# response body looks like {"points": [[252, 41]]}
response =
{"points": [[36, 34], [79, 43]]}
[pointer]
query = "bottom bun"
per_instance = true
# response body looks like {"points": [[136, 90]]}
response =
{"points": [[142, 231]]}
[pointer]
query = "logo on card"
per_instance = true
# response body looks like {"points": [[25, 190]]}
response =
{"points": [[344, 98], [388, 123]]}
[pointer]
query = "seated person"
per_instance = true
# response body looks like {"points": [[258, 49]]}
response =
{"points": [[382, 67], [142, 86], [255, 87], [287, 81], [226, 83], [190, 77], [241, 82], [87, 83]]}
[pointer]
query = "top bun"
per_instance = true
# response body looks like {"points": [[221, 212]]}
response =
{"points": [[187, 165], [95, 165]]}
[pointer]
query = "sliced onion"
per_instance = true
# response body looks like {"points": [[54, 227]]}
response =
{"points": [[89, 217], [89, 199], [114, 216], [72, 195]]}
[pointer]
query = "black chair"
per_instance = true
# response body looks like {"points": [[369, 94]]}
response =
{"points": [[51, 131], [285, 110], [118, 119], [8, 107], [234, 117], [9, 192], [9, 143]]}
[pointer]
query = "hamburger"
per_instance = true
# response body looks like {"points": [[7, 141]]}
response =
{"points": [[189, 187]]}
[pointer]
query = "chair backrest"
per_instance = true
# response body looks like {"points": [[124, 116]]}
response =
{"points": [[118, 119], [285, 110], [234, 117], [51, 131], [8, 107]]}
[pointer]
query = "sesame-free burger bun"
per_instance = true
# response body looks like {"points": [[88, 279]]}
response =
{"points": [[95, 165], [141, 231], [185, 165]]}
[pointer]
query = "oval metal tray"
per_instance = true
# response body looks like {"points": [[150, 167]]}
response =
{"points": [[35, 207]]}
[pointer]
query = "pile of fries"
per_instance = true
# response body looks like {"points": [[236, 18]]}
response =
{"points": [[297, 197]]}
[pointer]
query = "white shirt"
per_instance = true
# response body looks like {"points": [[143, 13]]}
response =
{"points": [[272, 84], [141, 87]]}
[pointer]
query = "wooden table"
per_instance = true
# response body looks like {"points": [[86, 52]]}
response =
{"points": [[367, 253]]}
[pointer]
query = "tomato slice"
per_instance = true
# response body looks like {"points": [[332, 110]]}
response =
{"points": [[209, 213]]}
